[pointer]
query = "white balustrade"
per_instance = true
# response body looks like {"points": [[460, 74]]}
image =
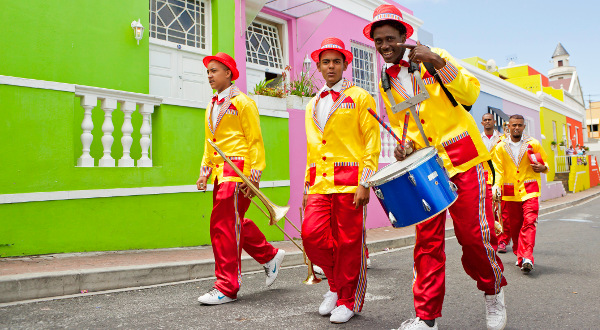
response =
{"points": [[562, 164], [128, 108], [129, 102], [388, 144], [88, 103], [146, 110], [108, 105]]}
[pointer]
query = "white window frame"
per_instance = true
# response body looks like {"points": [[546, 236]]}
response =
{"points": [[208, 28], [283, 35], [358, 45]]}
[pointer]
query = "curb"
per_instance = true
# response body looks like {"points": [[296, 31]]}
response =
{"points": [[16, 288]]}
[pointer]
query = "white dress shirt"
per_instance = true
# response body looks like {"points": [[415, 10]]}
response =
{"points": [[515, 147], [325, 104], [214, 115], [490, 142], [404, 76]]}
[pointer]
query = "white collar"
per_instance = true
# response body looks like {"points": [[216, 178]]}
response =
{"points": [[224, 93], [405, 58], [515, 143], [337, 87]]}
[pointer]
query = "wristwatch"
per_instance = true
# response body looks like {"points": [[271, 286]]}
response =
{"points": [[364, 184]]}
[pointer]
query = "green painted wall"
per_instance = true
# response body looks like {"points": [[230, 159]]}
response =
{"points": [[119, 223], [547, 116], [223, 26], [86, 43], [44, 128]]}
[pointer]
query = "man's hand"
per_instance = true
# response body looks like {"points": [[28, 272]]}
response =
{"points": [[496, 194], [401, 153], [201, 183], [304, 201], [538, 168], [361, 196], [421, 53], [249, 193]]}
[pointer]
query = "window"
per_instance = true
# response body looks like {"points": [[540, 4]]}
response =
{"points": [[500, 117], [263, 46], [560, 63], [183, 22], [363, 67]]}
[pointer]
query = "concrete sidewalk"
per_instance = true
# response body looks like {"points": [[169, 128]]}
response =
{"points": [[34, 277]]}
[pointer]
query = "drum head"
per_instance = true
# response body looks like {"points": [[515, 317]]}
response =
{"points": [[398, 168]]}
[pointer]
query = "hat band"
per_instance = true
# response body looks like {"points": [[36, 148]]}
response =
{"points": [[331, 46], [387, 16]]}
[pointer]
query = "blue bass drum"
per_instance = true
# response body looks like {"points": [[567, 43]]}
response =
{"points": [[415, 189]]}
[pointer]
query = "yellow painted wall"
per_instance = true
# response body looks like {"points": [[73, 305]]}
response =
{"points": [[530, 83], [546, 118], [580, 172], [515, 71], [476, 61], [556, 93]]}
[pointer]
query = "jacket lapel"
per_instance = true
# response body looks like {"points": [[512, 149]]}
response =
{"points": [[347, 84], [233, 92], [209, 116], [524, 146]]}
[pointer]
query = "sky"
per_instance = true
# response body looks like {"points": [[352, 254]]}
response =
{"points": [[528, 30]]}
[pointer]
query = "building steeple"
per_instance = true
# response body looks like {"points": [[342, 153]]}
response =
{"points": [[559, 51]]}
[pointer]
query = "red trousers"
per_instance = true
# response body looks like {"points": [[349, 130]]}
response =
{"points": [[505, 235], [229, 233], [333, 234], [474, 230], [522, 217]]}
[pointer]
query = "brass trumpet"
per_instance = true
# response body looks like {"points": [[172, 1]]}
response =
{"points": [[274, 212]]}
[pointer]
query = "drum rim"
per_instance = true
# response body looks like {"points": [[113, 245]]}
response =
{"points": [[433, 216], [406, 169]]}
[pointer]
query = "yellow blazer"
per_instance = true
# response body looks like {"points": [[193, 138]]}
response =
{"points": [[345, 151], [452, 130], [518, 180], [237, 134], [489, 178]]}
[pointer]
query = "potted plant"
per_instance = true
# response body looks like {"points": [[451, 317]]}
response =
{"points": [[553, 145], [269, 95], [301, 90]]}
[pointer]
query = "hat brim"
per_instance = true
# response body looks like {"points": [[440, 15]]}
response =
{"points": [[367, 29], [347, 54], [235, 74]]}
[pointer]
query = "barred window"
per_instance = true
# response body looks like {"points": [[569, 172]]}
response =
{"points": [[183, 22], [263, 45], [363, 67]]}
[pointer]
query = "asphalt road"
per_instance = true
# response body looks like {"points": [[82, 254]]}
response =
{"points": [[561, 293]]}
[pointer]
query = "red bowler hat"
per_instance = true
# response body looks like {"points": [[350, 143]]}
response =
{"points": [[225, 59], [333, 44], [387, 13]]}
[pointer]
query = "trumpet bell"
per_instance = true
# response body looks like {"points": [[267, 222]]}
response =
{"points": [[279, 213]]}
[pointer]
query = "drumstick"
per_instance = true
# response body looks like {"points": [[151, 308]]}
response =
{"points": [[388, 128], [405, 128]]}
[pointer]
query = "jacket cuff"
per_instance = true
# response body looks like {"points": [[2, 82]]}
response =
{"points": [[448, 72], [366, 174], [255, 175], [306, 187], [205, 171]]}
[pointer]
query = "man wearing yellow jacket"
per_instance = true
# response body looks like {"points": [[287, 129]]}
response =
{"points": [[518, 181], [453, 132], [343, 144], [232, 123]]}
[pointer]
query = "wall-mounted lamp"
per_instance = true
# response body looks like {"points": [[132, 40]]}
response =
{"points": [[306, 65], [138, 30]]}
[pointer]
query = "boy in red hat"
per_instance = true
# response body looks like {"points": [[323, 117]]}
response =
{"points": [[343, 144], [453, 132], [518, 161], [233, 124]]}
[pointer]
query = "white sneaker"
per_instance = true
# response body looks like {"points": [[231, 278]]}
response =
{"points": [[495, 311], [341, 314], [272, 267], [214, 297], [328, 303], [416, 324], [368, 263], [526, 266], [318, 270]]}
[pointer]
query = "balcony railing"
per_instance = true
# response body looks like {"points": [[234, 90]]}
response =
{"points": [[130, 102]]}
